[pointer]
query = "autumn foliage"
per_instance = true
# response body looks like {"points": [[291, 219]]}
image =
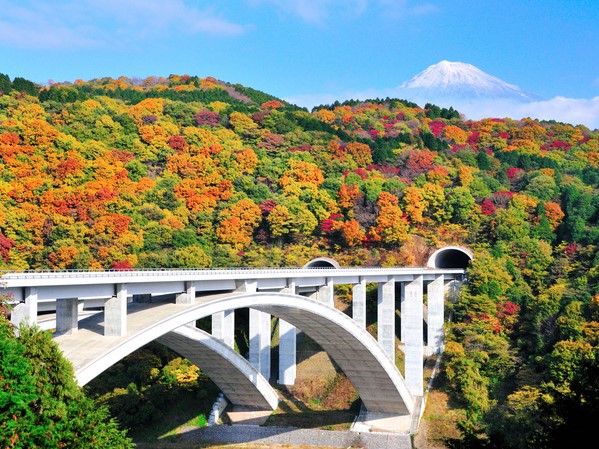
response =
{"points": [[187, 172]]}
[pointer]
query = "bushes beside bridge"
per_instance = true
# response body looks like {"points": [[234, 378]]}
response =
{"points": [[152, 389], [41, 405]]}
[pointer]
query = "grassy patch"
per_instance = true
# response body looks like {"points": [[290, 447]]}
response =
{"points": [[438, 427]]}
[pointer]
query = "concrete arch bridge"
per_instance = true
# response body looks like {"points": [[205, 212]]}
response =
{"points": [[302, 298]]}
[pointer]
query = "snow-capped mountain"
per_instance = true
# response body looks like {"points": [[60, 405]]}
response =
{"points": [[446, 81]]}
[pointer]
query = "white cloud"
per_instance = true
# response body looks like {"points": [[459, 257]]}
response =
{"points": [[575, 111], [158, 15], [318, 11], [570, 110], [400, 8], [40, 24]]}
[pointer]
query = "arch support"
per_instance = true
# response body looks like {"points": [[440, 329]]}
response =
{"points": [[376, 378], [240, 382]]}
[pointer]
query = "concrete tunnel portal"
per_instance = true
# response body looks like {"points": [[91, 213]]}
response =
{"points": [[450, 257]]}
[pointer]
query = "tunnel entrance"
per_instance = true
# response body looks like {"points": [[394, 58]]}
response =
{"points": [[322, 262], [450, 257]]}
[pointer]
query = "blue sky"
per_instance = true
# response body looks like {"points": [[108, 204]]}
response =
{"points": [[311, 52]]}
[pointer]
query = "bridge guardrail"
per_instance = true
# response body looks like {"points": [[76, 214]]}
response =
{"points": [[14, 274]]}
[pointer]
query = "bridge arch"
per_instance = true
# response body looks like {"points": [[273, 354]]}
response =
{"points": [[240, 382], [322, 262], [376, 378], [450, 257]]}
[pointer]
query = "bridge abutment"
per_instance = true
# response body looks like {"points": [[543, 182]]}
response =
{"points": [[27, 311]]}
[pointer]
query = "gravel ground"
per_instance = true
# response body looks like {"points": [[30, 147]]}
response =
{"points": [[293, 436]]}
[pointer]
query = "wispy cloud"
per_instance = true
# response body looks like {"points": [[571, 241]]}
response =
{"points": [[569, 110], [576, 111], [316, 11], [42, 24], [400, 8], [319, 11]]}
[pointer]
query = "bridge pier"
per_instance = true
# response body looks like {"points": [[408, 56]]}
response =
{"points": [[435, 315], [115, 313], [223, 327], [412, 326], [359, 302], [259, 335], [287, 345], [325, 293], [67, 316], [189, 295], [386, 317]]}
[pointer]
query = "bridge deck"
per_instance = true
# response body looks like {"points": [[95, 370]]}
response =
{"points": [[89, 342]]}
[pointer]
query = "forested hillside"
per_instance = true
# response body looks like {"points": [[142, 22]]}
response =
{"points": [[195, 172]]}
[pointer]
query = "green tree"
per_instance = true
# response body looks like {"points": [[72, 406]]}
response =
{"points": [[41, 405], [542, 187], [23, 85], [5, 84]]}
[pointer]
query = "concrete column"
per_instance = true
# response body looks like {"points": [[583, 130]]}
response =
{"points": [[260, 332], [223, 323], [435, 314], [359, 303], [115, 313], [223, 327], [386, 317], [287, 346], [27, 312], [412, 323], [189, 295], [246, 286], [31, 298], [66, 316], [402, 332], [326, 293]]}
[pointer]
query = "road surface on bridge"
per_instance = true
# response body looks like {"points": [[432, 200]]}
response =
{"points": [[89, 342]]}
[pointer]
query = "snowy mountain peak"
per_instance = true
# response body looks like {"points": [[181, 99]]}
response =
{"points": [[460, 80]]}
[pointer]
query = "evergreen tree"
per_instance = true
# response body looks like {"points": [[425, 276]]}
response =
{"points": [[5, 84], [41, 405]]}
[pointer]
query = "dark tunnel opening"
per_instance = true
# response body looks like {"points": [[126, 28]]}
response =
{"points": [[451, 258], [322, 263]]}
